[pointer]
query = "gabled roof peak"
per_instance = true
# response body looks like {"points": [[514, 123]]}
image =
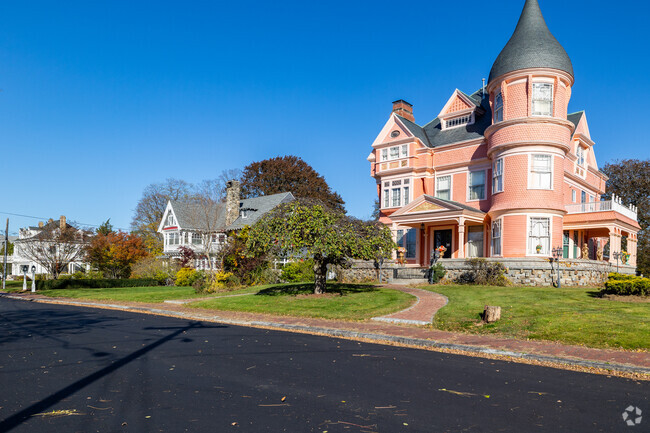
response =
{"points": [[531, 46]]}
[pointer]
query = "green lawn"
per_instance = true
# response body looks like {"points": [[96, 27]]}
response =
{"points": [[153, 294], [343, 301], [573, 315]]}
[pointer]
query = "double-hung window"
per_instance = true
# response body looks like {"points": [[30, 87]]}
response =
{"points": [[542, 102], [173, 238], [497, 176], [443, 187], [496, 238], [395, 152], [196, 239], [539, 236], [580, 153], [498, 108], [397, 193], [540, 172], [477, 185]]}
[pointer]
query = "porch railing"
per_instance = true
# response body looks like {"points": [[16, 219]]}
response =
{"points": [[614, 204]]}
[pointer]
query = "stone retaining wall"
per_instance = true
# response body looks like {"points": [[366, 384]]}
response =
{"points": [[521, 272]]}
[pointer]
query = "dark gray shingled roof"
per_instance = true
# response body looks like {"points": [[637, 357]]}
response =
{"points": [[257, 207], [575, 118], [432, 134], [531, 46], [191, 215]]}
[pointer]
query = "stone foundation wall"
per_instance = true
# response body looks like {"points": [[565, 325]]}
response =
{"points": [[520, 272]]}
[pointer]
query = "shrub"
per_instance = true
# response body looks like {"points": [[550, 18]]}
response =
{"points": [[617, 276], [93, 284], [186, 277], [298, 272], [436, 273], [484, 273], [164, 271], [221, 281], [635, 286]]}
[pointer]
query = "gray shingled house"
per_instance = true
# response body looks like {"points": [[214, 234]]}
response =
{"points": [[204, 226]]}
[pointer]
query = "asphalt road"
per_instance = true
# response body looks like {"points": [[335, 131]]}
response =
{"points": [[69, 369]]}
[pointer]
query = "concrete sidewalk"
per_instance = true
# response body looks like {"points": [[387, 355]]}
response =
{"points": [[396, 333]]}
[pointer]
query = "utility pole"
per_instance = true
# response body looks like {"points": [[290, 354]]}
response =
{"points": [[4, 270]]}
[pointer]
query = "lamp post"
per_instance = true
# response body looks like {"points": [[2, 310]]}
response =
{"points": [[33, 278], [557, 253], [617, 255], [25, 268]]}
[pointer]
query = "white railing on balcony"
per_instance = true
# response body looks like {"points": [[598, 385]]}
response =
{"points": [[615, 204]]}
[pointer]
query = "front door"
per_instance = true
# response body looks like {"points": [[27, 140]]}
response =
{"points": [[443, 237]]}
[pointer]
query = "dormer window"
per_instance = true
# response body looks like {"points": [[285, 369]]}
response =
{"points": [[580, 153], [455, 122], [244, 213], [170, 220], [498, 108], [542, 102]]}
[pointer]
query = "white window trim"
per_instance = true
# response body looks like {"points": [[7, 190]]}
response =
{"points": [[492, 254], [530, 248], [484, 185], [471, 118], [503, 169], [390, 192], [451, 186], [399, 152], [530, 171]]}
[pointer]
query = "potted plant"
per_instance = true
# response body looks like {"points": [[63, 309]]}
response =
{"points": [[401, 252], [538, 248]]}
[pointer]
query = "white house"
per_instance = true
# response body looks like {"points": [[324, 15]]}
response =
{"points": [[204, 227]]}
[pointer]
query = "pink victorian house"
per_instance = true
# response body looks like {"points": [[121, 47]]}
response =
{"points": [[505, 171]]}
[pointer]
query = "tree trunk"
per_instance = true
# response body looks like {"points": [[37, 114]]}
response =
{"points": [[320, 275], [491, 314]]}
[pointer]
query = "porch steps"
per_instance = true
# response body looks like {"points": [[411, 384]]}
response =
{"points": [[409, 276]]}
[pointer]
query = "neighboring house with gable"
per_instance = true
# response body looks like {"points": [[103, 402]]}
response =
{"points": [[204, 227], [505, 171]]}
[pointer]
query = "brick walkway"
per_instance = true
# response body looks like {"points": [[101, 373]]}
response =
{"points": [[420, 313], [382, 331]]}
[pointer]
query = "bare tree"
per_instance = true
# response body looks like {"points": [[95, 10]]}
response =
{"points": [[55, 246]]}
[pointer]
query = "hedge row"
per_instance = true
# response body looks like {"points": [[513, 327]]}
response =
{"points": [[635, 286], [94, 283]]}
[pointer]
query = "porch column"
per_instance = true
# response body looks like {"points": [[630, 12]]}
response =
{"points": [[393, 231], [614, 245], [631, 248], [461, 238]]}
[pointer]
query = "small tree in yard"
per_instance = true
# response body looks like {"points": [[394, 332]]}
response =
{"points": [[330, 237], [114, 253]]}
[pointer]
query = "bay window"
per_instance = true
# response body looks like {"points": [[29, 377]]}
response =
{"points": [[407, 239], [395, 152], [396, 193]]}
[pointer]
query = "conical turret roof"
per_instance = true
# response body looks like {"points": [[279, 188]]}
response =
{"points": [[531, 46]]}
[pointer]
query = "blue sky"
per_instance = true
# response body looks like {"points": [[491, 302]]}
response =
{"points": [[100, 99]]}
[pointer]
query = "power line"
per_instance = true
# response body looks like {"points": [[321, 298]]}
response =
{"points": [[45, 219]]}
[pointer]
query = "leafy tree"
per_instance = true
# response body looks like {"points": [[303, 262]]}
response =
{"points": [[105, 228], [328, 236], [10, 249], [187, 256], [113, 254], [630, 180], [288, 174]]}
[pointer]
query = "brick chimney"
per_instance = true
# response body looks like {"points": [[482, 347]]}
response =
{"points": [[62, 223], [233, 197], [403, 109], [40, 224]]}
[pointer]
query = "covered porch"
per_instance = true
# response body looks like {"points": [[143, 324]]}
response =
{"points": [[435, 222], [605, 231]]}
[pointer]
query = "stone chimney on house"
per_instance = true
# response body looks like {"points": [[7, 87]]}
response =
{"points": [[62, 223], [403, 109], [233, 197]]}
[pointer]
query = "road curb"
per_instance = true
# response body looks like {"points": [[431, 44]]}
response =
{"points": [[376, 338]]}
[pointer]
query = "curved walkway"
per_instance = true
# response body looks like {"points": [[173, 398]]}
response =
{"points": [[420, 313]]}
